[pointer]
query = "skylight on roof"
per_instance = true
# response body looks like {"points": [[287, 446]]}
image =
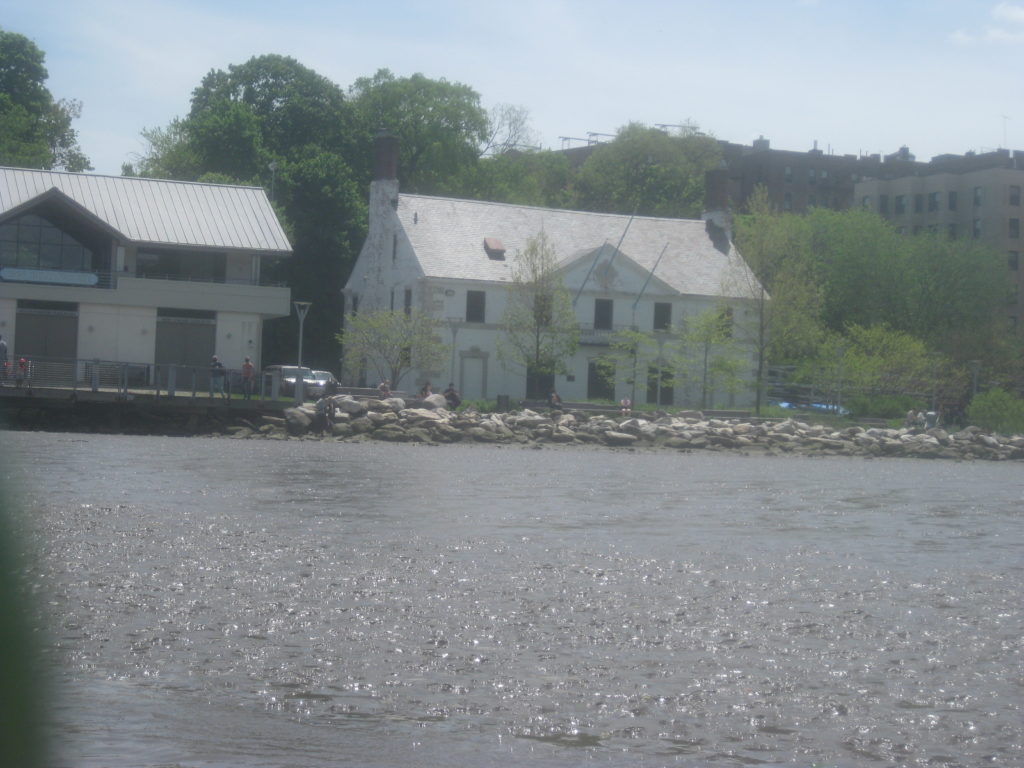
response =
{"points": [[495, 248]]}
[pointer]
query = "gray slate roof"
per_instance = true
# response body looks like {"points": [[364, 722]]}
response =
{"points": [[448, 234], [157, 211]]}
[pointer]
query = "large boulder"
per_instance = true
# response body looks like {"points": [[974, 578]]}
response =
{"points": [[350, 405], [435, 402], [297, 421], [618, 438]]}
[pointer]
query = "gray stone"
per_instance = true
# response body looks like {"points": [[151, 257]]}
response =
{"points": [[297, 421], [350, 405], [435, 402], [619, 438]]}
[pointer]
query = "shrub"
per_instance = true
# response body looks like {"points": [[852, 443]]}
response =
{"points": [[881, 406], [998, 411]]}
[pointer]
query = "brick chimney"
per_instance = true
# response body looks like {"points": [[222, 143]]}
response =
{"points": [[716, 216], [385, 157]]}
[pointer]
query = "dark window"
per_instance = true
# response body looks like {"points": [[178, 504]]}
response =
{"points": [[811, 176], [1013, 260], [182, 265], [407, 305], [1014, 229], [600, 381], [918, 203], [933, 201], [1014, 194], [883, 204], [603, 314], [952, 201], [32, 241], [900, 204], [726, 321], [787, 174], [394, 248], [662, 316], [659, 386], [476, 302], [977, 196]]}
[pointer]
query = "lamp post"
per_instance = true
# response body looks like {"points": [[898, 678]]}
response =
{"points": [[453, 324], [301, 308]]}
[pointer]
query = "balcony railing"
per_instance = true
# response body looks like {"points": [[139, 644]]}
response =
{"points": [[589, 334], [104, 279]]}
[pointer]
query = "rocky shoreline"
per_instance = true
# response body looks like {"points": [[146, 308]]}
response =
{"points": [[428, 421]]}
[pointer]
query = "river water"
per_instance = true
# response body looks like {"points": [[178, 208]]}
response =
{"points": [[216, 603]]}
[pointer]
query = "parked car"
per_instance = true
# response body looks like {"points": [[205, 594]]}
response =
{"points": [[321, 383], [289, 374]]}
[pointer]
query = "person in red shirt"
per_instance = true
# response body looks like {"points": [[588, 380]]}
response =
{"points": [[248, 377]]}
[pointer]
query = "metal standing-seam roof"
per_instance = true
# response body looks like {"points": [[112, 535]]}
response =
{"points": [[448, 238], [157, 211]]}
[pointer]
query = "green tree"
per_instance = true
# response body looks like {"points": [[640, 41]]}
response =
{"points": [[878, 360], [35, 130], [276, 123], [539, 328], [389, 344], [631, 354], [998, 411], [542, 178], [647, 171], [784, 321], [168, 155], [706, 353], [441, 126]]}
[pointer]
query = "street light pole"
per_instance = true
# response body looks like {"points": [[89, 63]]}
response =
{"points": [[301, 308], [453, 325]]}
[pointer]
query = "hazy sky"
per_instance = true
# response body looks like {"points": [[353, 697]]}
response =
{"points": [[858, 76]]}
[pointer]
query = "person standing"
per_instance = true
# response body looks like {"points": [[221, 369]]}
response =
{"points": [[248, 378], [217, 372]]}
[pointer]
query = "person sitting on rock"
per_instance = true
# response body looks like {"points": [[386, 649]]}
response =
{"points": [[554, 401], [426, 391], [625, 406], [452, 396], [384, 388]]}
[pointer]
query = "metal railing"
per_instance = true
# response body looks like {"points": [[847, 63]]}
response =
{"points": [[125, 380]]}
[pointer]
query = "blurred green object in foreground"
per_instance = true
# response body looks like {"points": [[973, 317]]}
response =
{"points": [[21, 686]]}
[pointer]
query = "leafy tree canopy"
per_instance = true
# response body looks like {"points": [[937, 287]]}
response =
{"points": [[35, 129], [441, 126], [648, 171]]}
